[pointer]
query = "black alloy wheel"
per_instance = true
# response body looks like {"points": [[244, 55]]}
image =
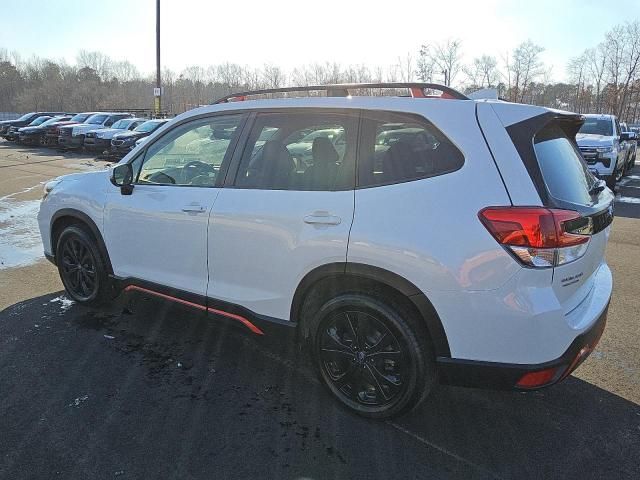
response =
{"points": [[81, 267], [371, 356]]}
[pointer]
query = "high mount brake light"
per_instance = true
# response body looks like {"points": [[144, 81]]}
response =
{"points": [[539, 237]]}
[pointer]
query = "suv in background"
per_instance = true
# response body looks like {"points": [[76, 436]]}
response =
{"points": [[465, 247], [35, 135], [603, 147], [72, 137], [100, 140], [53, 130], [13, 134], [23, 121], [123, 142]]}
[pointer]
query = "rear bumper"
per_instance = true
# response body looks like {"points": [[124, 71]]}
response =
{"points": [[504, 376]]}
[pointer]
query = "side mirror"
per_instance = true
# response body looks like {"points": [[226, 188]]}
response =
{"points": [[624, 136], [122, 176]]}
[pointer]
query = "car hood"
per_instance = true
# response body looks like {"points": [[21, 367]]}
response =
{"points": [[591, 140], [109, 132], [300, 148], [31, 129], [130, 134], [85, 127]]}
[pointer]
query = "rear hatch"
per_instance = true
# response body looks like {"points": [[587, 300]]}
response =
{"points": [[546, 144], [571, 186]]}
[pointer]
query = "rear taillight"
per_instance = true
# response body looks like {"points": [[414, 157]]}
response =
{"points": [[539, 237]]}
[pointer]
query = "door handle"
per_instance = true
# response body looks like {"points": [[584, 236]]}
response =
{"points": [[322, 218], [193, 208]]}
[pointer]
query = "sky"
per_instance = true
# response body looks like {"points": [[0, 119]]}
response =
{"points": [[289, 33]]}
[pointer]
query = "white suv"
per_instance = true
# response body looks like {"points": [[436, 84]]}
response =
{"points": [[432, 238]]}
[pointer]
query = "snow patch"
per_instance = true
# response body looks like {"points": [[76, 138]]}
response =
{"points": [[65, 303], [20, 241]]}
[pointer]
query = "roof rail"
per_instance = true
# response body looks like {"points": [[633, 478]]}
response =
{"points": [[416, 89]]}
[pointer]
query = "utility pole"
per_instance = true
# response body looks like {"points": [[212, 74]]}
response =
{"points": [[158, 90]]}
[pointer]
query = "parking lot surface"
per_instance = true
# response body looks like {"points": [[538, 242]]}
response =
{"points": [[149, 390]]}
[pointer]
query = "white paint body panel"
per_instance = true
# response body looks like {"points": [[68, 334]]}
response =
{"points": [[149, 236], [260, 247]]}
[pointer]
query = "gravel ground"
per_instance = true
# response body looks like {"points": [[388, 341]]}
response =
{"points": [[147, 390]]}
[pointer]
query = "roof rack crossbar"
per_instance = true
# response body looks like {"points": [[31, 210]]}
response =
{"points": [[416, 89]]}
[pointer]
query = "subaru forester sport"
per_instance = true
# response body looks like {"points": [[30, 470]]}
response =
{"points": [[423, 239]]}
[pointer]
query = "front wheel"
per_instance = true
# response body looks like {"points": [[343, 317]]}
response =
{"points": [[372, 355], [81, 267]]}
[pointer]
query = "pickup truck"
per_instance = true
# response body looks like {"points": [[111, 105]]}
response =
{"points": [[602, 144]]}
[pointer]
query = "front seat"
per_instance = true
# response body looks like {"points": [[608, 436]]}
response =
{"points": [[276, 167], [322, 174]]}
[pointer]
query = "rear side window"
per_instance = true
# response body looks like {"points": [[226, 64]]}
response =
{"points": [[300, 151], [399, 148], [565, 173]]}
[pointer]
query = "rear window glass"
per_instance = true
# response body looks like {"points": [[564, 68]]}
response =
{"points": [[597, 126], [565, 173], [399, 148]]}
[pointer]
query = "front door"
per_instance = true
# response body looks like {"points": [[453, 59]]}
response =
{"points": [[159, 233]]}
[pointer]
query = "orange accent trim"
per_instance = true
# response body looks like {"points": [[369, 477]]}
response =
{"points": [[233, 316], [166, 297], [239, 318], [417, 92]]}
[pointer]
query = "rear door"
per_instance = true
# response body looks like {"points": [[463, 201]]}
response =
{"points": [[286, 209]]}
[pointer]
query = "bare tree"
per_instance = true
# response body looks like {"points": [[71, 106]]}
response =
{"points": [[526, 66], [483, 72], [441, 58]]}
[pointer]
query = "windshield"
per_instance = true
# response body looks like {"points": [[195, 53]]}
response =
{"points": [[597, 126], [80, 117], [122, 124], [97, 119], [51, 120], [149, 126], [24, 117], [39, 121]]}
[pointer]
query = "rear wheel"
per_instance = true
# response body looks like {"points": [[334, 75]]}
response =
{"points": [[81, 267], [372, 356]]}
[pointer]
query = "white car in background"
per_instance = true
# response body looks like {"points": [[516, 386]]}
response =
{"points": [[466, 248]]}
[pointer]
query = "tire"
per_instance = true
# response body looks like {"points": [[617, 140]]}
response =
{"points": [[611, 181], [372, 355], [82, 267]]}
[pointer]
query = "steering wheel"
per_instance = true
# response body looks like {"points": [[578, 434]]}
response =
{"points": [[199, 166]]}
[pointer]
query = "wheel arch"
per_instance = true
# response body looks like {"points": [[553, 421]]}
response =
{"points": [[351, 274], [70, 216]]}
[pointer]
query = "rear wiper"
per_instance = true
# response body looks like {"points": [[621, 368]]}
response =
{"points": [[597, 187]]}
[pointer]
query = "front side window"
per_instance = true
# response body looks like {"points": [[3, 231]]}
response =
{"points": [[563, 169], [300, 151], [399, 148], [191, 154]]}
